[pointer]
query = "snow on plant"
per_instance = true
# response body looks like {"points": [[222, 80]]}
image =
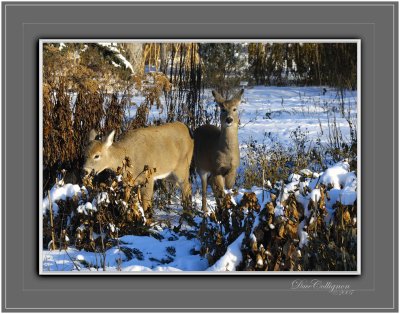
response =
{"points": [[61, 191], [240, 237], [300, 221], [113, 48]]}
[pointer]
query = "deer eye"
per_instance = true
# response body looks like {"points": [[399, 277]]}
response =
{"points": [[234, 109], [96, 156]]}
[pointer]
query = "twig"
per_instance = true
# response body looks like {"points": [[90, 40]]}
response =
{"points": [[102, 247], [263, 181], [250, 121], [53, 243], [73, 262]]}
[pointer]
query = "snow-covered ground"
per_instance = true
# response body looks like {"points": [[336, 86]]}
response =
{"points": [[275, 111], [280, 110], [289, 108]]}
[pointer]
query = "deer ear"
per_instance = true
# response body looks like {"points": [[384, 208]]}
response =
{"points": [[109, 139], [92, 135], [218, 98], [239, 95]]}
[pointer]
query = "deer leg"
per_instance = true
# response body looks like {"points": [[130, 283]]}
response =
{"points": [[203, 176], [186, 193], [166, 187], [147, 194], [230, 179], [217, 185], [181, 178]]}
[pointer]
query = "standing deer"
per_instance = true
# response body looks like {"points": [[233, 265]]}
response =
{"points": [[167, 148], [216, 151]]}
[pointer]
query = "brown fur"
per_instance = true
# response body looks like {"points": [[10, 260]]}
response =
{"points": [[216, 151], [167, 148]]}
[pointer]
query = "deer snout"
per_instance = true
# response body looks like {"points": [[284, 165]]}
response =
{"points": [[86, 172], [229, 120]]}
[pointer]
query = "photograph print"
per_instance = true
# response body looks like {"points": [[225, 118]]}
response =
{"points": [[199, 157]]}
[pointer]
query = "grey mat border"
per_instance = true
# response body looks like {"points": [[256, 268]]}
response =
{"points": [[25, 273]]}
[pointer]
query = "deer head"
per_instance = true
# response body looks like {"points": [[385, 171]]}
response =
{"points": [[98, 154], [229, 115]]}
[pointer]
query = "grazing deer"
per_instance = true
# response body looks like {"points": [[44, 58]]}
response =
{"points": [[167, 148], [216, 151]]}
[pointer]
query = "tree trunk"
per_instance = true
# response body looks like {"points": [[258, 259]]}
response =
{"points": [[163, 58], [135, 51]]}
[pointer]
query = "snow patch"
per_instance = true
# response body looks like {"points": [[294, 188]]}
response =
{"points": [[61, 192], [231, 258]]}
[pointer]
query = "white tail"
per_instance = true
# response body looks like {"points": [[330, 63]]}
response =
{"points": [[216, 151], [167, 148]]}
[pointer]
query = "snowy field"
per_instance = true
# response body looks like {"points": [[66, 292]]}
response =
{"points": [[267, 115]]}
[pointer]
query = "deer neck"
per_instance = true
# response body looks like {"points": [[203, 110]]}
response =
{"points": [[229, 138], [120, 154]]}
